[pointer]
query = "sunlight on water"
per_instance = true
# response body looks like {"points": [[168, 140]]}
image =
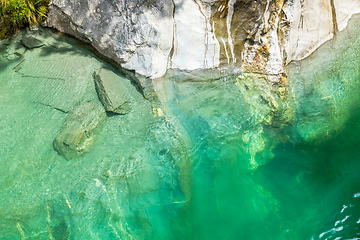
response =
{"points": [[230, 157]]}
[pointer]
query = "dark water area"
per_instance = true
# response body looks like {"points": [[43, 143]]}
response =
{"points": [[300, 193], [230, 158]]}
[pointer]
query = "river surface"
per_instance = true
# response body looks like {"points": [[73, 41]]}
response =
{"points": [[229, 157]]}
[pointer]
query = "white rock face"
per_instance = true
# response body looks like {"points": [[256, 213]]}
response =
{"points": [[136, 34], [313, 22], [153, 36], [195, 45], [311, 26], [344, 10]]}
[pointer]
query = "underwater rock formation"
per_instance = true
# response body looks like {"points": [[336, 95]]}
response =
{"points": [[111, 92], [153, 36], [31, 42], [77, 134]]}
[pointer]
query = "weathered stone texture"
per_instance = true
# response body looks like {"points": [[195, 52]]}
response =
{"points": [[136, 34], [153, 36]]}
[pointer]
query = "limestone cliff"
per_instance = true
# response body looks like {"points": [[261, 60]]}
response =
{"points": [[153, 36]]}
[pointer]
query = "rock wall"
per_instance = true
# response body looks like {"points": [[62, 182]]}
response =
{"points": [[153, 36], [314, 22]]}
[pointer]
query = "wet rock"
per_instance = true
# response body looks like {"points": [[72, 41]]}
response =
{"points": [[31, 42], [78, 132], [112, 93]]}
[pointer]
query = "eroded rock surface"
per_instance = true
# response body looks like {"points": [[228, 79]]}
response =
{"points": [[153, 36], [77, 134], [136, 34]]}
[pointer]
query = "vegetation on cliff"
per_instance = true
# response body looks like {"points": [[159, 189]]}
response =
{"points": [[17, 14]]}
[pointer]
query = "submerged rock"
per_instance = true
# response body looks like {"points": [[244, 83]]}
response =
{"points": [[77, 134], [31, 42], [267, 97], [112, 94]]}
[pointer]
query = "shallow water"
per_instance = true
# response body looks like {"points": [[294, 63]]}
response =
{"points": [[223, 158]]}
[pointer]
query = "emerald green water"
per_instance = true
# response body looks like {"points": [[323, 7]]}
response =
{"points": [[220, 158]]}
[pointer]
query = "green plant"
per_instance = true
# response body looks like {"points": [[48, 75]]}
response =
{"points": [[17, 14]]}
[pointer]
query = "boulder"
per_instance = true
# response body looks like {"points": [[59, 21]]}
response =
{"points": [[150, 37], [79, 130], [112, 93], [31, 42], [136, 34]]}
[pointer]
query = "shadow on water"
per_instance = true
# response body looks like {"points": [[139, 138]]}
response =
{"points": [[73, 45], [70, 45], [77, 46]]}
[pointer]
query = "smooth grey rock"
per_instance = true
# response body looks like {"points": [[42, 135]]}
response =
{"points": [[31, 42], [78, 132], [112, 94]]}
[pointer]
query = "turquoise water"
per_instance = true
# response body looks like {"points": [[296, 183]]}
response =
{"points": [[233, 157]]}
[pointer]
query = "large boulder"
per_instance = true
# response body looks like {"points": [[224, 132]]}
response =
{"points": [[136, 34], [153, 36], [79, 130], [112, 93]]}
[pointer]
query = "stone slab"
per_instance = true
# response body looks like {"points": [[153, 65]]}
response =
{"points": [[112, 93]]}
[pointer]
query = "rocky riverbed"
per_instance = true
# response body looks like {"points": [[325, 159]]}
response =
{"points": [[90, 150]]}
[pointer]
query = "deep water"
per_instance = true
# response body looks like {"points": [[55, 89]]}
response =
{"points": [[229, 157]]}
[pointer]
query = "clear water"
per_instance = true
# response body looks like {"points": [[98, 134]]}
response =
{"points": [[227, 160]]}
